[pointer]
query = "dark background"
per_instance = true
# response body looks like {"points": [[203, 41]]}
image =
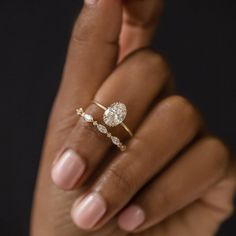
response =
{"points": [[197, 37]]}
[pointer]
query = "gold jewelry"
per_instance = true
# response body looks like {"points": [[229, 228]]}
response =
{"points": [[114, 115], [101, 128]]}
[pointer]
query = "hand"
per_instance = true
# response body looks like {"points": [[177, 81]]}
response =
{"points": [[185, 176]]}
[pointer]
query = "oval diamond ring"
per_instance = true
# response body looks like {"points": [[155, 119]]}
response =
{"points": [[114, 115]]}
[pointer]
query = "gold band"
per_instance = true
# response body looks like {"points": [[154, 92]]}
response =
{"points": [[122, 124], [99, 105], [101, 128]]}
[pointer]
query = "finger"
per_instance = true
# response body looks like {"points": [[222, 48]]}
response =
{"points": [[127, 85], [186, 180], [140, 19], [91, 57], [209, 212], [166, 131]]}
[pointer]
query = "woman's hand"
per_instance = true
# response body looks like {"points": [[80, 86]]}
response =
{"points": [[173, 179]]}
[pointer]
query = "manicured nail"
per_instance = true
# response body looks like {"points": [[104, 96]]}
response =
{"points": [[131, 218], [89, 211], [90, 2], [68, 169]]}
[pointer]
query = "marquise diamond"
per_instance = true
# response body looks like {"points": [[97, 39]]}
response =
{"points": [[102, 129], [88, 118], [115, 114], [115, 140]]}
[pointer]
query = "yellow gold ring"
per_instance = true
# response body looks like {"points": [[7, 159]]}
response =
{"points": [[101, 128], [114, 115]]}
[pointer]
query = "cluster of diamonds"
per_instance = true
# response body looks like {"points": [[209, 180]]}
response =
{"points": [[101, 128], [115, 114]]}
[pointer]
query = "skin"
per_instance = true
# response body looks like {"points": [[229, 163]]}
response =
{"points": [[187, 179]]}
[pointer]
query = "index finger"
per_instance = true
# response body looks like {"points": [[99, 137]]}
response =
{"points": [[91, 57]]}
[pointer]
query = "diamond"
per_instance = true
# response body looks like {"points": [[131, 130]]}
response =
{"points": [[102, 129], [80, 111], [95, 123], [115, 140], [88, 118], [123, 148], [115, 114]]}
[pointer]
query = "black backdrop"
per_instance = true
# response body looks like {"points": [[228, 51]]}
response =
{"points": [[196, 36]]}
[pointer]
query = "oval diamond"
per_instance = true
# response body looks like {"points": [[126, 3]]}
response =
{"points": [[115, 114]]}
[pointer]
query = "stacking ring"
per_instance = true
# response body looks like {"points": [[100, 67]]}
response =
{"points": [[101, 128], [114, 115]]}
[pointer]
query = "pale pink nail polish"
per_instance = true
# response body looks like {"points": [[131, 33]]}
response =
{"points": [[89, 211], [68, 169], [131, 218], [90, 2]]}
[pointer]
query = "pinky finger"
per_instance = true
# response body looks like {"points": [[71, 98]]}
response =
{"points": [[201, 217], [199, 168]]}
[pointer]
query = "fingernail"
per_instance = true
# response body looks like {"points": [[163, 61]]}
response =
{"points": [[131, 218], [89, 211], [68, 169], [90, 2]]}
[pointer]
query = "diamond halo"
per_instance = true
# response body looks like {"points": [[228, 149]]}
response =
{"points": [[115, 114]]}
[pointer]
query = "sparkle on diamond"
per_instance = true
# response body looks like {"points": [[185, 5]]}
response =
{"points": [[115, 114]]}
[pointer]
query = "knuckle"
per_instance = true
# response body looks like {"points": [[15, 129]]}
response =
{"points": [[85, 33], [152, 59], [181, 106], [153, 63], [121, 179], [81, 34], [221, 155]]}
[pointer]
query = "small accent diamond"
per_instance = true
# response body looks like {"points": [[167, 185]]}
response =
{"points": [[80, 111], [115, 140], [102, 129], [95, 123], [88, 118]]}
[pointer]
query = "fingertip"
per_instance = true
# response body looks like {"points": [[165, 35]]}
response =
{"points": [[131, 218], [88, 211], [67, 170], [90, 2]]}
